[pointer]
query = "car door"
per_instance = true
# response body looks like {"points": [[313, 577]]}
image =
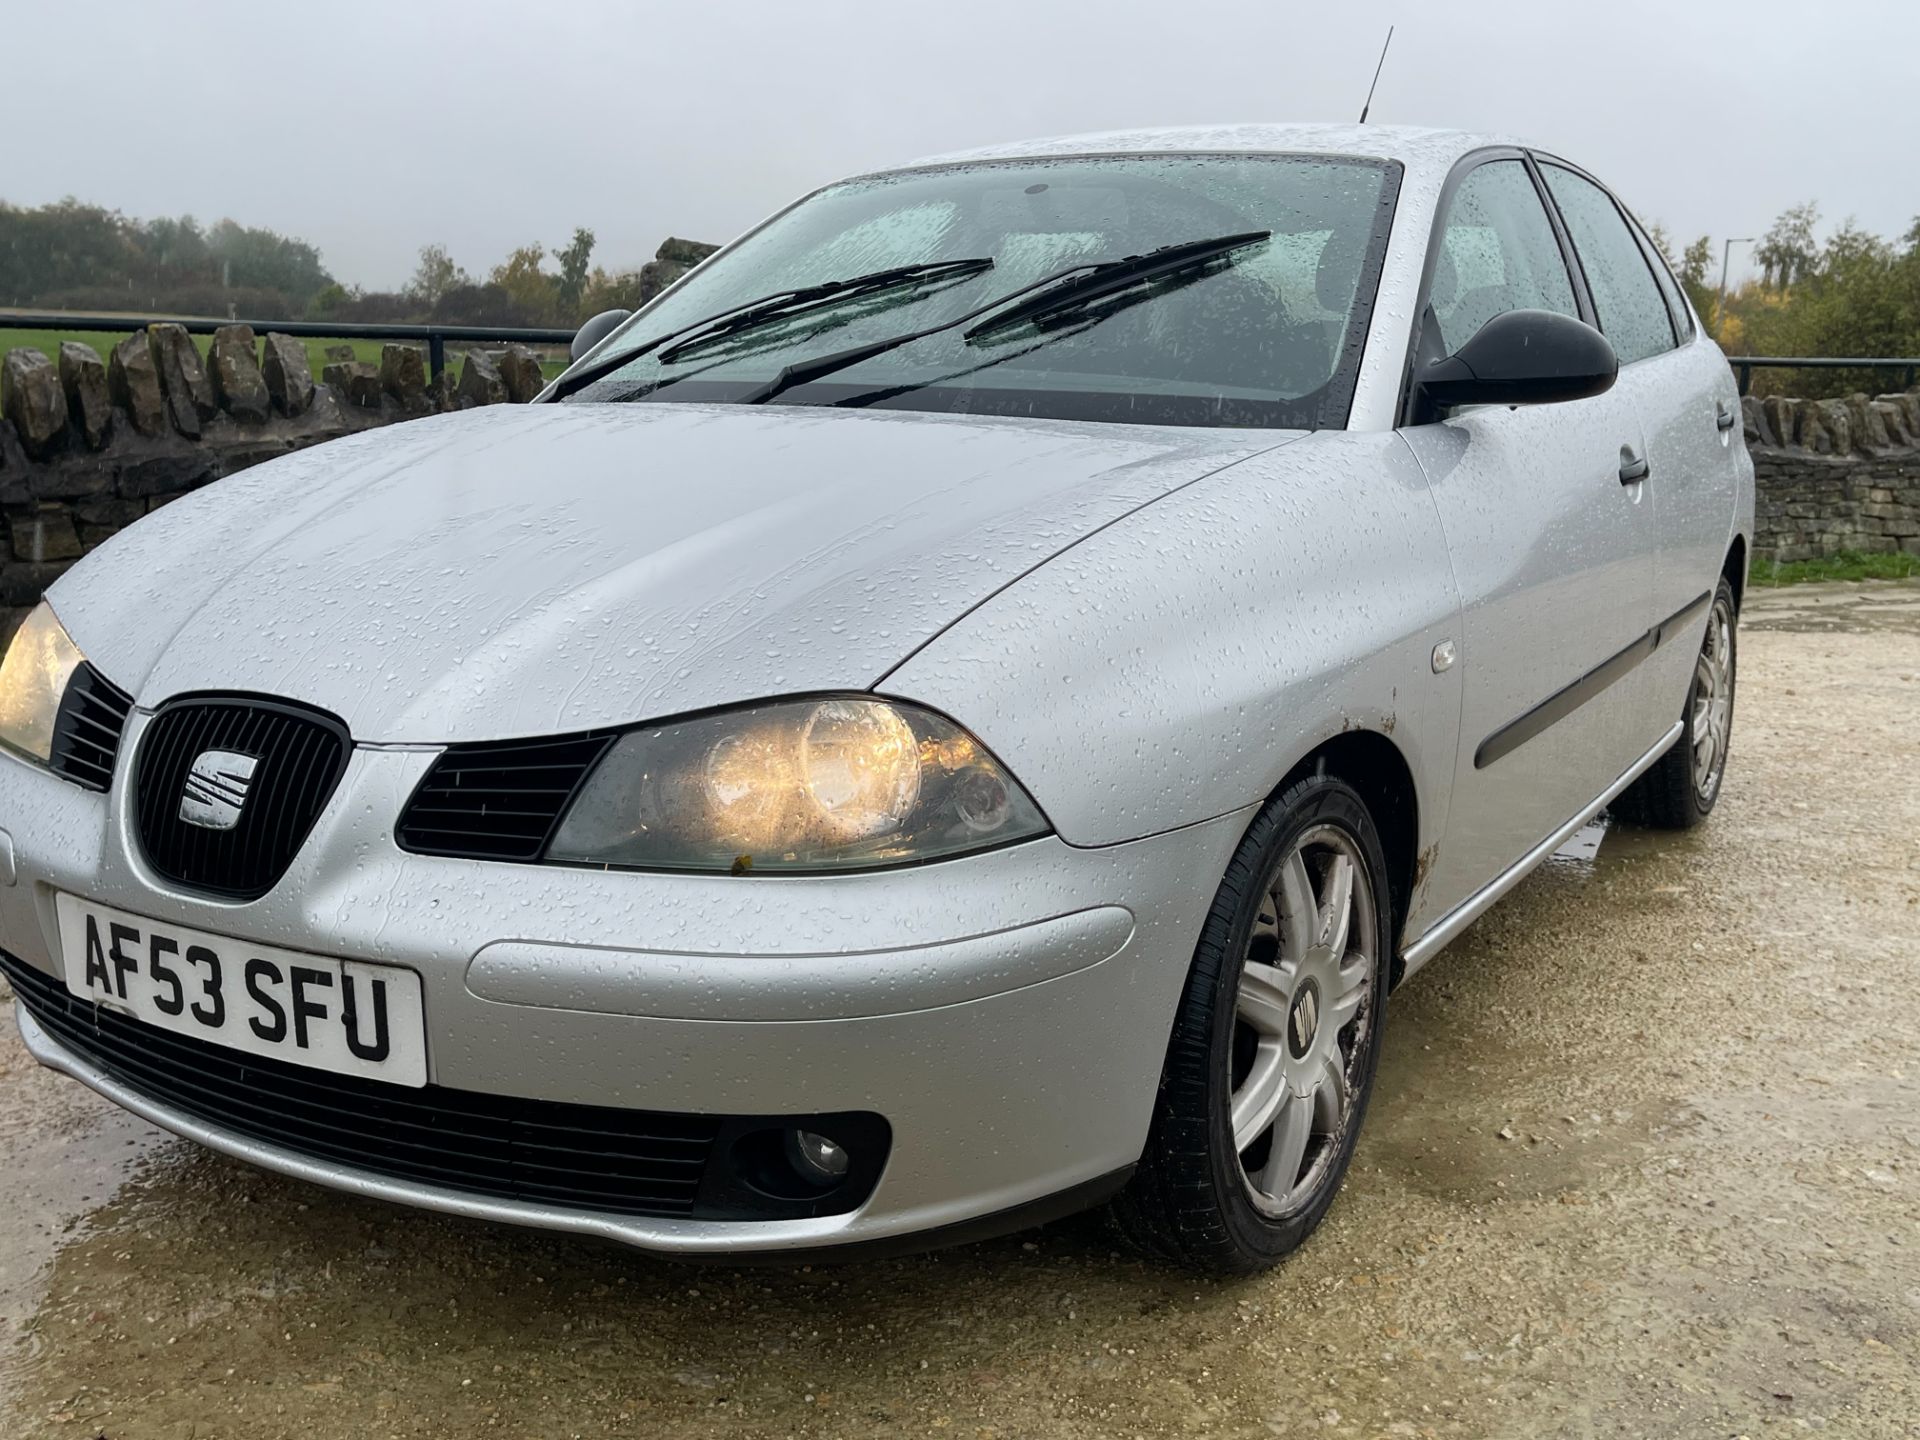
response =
{"points": [[1689, 408], [1552, 540]]}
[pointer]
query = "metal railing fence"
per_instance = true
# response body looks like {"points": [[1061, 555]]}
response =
{"points": [[1745, 365], [435, 336]]}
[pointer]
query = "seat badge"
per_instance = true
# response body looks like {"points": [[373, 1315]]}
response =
{"points": [[216, 789]]}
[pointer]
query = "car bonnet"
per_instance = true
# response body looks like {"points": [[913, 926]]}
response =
{"points": [[543, 569]]}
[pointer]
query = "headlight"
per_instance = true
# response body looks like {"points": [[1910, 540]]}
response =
{"points": [[33, 677], [835, 784]]}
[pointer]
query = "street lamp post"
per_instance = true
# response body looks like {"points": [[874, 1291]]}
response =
{"points": [[1726, 254]]}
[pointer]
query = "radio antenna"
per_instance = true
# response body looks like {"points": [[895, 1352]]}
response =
{"points": [[1376, 76]]}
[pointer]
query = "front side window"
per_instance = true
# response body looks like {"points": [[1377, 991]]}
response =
{"points": [[1497, 252], [1268, 336], [1631, 310]]}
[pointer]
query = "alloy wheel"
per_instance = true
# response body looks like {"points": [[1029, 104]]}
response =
{"points": [[1713, 701], [1303, 1019]]}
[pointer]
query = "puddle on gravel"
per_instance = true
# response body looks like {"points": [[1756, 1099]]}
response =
{"points": [[63, 1154], [1601, 847], [1582, 846]]}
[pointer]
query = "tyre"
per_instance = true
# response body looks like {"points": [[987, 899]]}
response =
{"points": [[1274, 1048], [1679, 790]]}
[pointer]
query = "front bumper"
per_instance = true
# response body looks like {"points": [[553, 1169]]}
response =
{"points": [[1007, 1013]]}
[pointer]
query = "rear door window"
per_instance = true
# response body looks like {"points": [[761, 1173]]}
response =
{"points": [[1677, 306], [1632, 311]]}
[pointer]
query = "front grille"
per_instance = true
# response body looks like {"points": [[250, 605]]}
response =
{"points": [[87, 728], [585, 1156], [299, 757], [580, 1157], [497, 800]]}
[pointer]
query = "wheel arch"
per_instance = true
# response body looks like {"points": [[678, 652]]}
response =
{"points": [[1374, 766], [1735, 570]]}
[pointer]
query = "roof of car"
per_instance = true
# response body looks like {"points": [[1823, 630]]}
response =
{"points": [[1407, 143]]}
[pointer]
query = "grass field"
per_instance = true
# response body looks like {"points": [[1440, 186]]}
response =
{"points": [[1846, 565], [103, 340]]}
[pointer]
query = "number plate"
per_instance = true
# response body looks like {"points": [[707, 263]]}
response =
{"points": [[340, 1015]]}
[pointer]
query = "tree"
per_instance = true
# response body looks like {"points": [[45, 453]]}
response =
{"points": [[1695, 273], [573, 271], [246, 257], [1696, 263], [70, 255], [530, 288], [328, 303], [176, 244], [435, 275], [1787, 252], [65, 246], [1853, 301], [1856, 294]]}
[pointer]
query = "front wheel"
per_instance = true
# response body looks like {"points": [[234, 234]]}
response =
{"points": [[1275, 1044], [1679, 790]]}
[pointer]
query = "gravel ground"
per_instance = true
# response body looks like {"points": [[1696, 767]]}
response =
{"points": [[1645, 1161]]}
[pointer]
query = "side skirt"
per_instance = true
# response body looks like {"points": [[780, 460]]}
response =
{"points": [[1449, 926]]}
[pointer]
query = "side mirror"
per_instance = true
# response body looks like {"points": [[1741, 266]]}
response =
{"points": [[594, 331], [1524, 357]]}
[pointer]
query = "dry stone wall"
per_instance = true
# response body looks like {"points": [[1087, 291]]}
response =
{"points": [[1833, 475], [89, 445]]}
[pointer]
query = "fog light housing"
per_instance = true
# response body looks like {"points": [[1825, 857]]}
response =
{"points": [[817, 1158], [789, 1167]]}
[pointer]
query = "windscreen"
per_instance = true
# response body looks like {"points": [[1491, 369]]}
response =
{"points": [[1269, 335]]}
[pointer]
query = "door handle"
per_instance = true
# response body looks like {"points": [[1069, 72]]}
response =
{"points": [[1633, 468], [1723, 416]]}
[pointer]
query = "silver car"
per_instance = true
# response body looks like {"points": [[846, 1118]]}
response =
{"points": [[962, 710]]}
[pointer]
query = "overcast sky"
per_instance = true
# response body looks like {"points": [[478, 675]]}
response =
{"points": [[371, 130]]}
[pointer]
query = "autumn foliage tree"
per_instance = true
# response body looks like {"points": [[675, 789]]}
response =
{"points": [[1855, 293], [435, 275]]}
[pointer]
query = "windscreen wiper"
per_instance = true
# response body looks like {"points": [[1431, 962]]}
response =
{"points": [[1063, 290], [766, 309], [799, 302], [1114, 276]]}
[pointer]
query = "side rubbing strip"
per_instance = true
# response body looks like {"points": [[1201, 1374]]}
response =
{"points": [[1665, 630], [1562, 703]]}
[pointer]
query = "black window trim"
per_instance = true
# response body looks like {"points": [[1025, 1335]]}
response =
{"points": [[1649, 255], [1456, 177]]}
